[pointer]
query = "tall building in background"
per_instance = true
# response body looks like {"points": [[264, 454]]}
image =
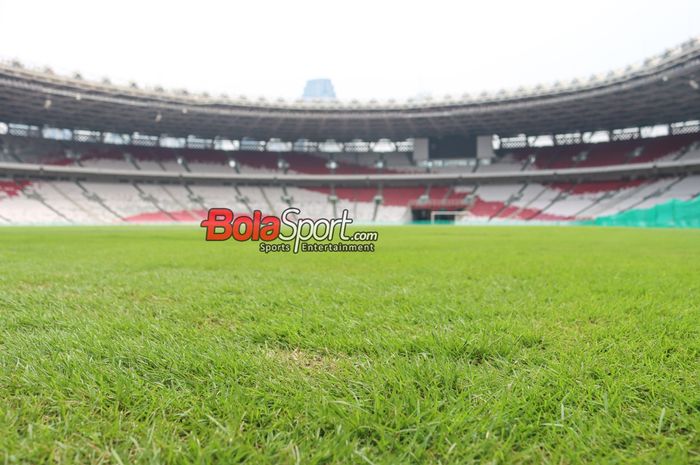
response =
{"points": [[319, 89]]}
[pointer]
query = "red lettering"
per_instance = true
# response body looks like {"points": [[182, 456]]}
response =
{"points": [[221, 225], [247, 231], [271, 228], [257, 215], [218, 218]]}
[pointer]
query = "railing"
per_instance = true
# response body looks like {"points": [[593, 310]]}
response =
{"points": [[603, 173], [433, 204]]}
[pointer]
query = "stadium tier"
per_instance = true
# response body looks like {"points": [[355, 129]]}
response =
{"points": [[102, 184]]}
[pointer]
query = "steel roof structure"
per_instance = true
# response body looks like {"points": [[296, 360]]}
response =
{"points": [[662, 90]]}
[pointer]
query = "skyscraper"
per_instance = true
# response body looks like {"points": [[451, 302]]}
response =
{"points": [[319, 89]]}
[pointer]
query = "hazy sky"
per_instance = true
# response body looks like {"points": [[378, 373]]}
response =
{"points": [[370, 49]]}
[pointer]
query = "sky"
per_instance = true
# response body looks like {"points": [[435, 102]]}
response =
{"points": [[377, 49]]}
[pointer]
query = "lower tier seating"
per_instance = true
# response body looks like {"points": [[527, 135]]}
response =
{"points": [[91, 202]]}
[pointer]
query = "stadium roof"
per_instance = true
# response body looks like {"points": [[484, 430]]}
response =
{"points": [[663, 89]]}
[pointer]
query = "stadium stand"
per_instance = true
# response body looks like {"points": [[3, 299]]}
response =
{"points": [[80, 152], [27, 201]]}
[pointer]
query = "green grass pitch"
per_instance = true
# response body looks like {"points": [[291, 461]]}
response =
{"points": [[447, 345]]}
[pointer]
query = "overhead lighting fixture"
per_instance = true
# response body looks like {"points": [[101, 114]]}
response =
{"points": [[47, 104], [159, 117], [694, 84]]}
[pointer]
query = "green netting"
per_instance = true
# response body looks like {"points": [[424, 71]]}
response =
{"points": [[673, 214]]}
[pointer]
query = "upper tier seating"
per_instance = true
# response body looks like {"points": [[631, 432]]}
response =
{"points": [[605, 154]]}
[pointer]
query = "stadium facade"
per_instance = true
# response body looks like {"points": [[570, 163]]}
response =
{"points": [[75, 151]]}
